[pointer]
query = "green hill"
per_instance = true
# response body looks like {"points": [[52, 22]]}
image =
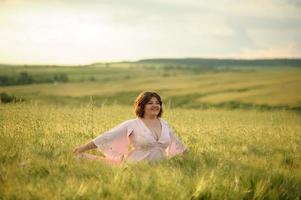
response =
{"points": [[207, 62]]}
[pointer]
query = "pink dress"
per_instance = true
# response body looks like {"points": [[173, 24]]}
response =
{"points": [[132, 141]]}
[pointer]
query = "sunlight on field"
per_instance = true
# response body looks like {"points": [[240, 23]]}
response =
{"points": [[234, 154], [273, 87], [281, 92], [242, 127]]}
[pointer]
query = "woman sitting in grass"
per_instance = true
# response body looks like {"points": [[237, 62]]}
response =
{"points": [[146, 138]]}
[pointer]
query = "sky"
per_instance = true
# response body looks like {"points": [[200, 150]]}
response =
{"points": [[90, 31]]}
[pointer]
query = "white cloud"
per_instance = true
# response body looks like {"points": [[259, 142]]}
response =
{"points": [[83, 32]]}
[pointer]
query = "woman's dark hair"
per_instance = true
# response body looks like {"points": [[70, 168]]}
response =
{"points": [[142, 99]]}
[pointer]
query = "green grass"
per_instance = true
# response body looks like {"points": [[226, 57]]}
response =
{"points": [[257, 88], [236, 154], [242, 127]]}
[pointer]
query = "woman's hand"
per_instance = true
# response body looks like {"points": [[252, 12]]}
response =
{"points": [[79, 150], [86, 147]]}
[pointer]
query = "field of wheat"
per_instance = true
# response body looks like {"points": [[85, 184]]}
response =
{"points": [[235, 152]]}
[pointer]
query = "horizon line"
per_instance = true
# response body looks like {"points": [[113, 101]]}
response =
{"points": [[153, 58]]}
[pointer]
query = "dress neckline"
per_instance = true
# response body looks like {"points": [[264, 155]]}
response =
{"points": [[153, 134]]}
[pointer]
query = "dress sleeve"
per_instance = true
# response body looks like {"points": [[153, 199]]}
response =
{"points": [[114, 143], [176, 146]]}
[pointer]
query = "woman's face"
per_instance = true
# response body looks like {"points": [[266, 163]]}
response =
{"points": [[152, 107]]}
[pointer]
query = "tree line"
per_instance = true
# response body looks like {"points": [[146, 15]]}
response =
{"points": [[24, 78]]}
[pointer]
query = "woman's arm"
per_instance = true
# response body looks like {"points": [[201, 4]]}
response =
{"points": [[86, 147]]}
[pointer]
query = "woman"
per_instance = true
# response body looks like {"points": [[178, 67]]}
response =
{"points": [[150, 137]]}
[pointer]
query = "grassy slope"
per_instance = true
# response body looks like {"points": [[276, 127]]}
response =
{"points": [[274, 87]]}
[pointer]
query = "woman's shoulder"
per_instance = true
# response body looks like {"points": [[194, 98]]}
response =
{"points": [[130, 122], [134, 121], [138, 120], [164, 121]]}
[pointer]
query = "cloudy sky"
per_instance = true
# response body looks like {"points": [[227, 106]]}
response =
{"points": [[83, 32]]}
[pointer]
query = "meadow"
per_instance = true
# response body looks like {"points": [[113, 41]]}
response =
{"points": [[241, 125]]}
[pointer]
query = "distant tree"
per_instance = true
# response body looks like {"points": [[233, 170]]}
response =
{"points": [[5, 80], [24, 78], [61, 77], [7, 98]]}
